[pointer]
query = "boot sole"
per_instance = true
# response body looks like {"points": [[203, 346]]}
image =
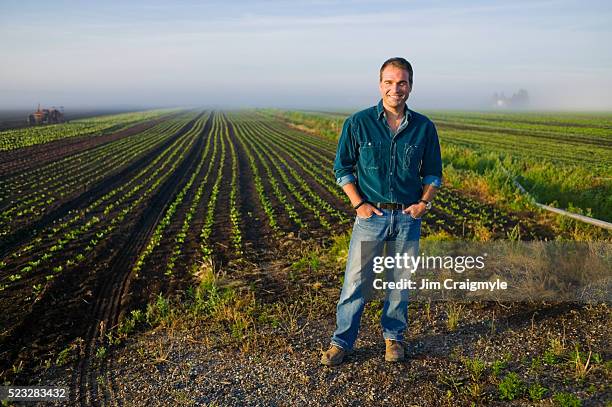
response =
{"points": [[330, 363], [392, 359]]}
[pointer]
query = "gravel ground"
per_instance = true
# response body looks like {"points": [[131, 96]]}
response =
{"points": [[186, 366]]}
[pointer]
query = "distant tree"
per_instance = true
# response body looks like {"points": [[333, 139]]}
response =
{"points": [[518, 100]]}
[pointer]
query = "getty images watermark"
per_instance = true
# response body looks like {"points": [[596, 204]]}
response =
{"points": [[459, 264], [500, 270]]}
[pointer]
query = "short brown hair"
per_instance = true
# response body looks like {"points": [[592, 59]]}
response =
{"points": [[397, 62]]}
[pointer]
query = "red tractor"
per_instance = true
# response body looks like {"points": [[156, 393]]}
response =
{"points": [[47, 116]]}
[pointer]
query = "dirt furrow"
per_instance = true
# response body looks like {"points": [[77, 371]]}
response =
{"points": [[154, 280], [314, 227], [115, 283], [312, 183], [259, 237]]}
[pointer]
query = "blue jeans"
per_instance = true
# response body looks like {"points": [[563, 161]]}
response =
{"points": [[371, 237]]}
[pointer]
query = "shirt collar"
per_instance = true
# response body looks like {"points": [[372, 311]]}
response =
{"points": [[380, 110]]}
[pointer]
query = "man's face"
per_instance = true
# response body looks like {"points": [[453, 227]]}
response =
{"points": [[394, 87]]}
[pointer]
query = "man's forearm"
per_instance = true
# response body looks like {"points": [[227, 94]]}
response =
{"points": [[351, 191], [429, 192]]}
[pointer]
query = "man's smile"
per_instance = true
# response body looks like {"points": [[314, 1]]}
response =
{"points": [[397, 97]]}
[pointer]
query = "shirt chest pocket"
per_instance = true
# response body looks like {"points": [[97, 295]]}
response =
{"points": [[369, 155], [411, 156]]}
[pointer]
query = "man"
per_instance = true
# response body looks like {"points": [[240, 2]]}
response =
{"points": [[388, 163]]}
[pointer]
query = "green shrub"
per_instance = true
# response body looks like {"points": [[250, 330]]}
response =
{"points": [[511, 387], [549, 357], [476, 367], [497, 366], [537, 392], [567, 400], [158, 311]]}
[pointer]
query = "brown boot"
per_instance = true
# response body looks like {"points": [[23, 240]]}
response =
{"points": [[394, 351], [334, 356]]}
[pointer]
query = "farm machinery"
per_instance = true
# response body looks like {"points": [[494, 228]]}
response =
{"points": [[46, 116]]}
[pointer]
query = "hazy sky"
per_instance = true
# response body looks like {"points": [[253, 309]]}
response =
{"points": [[323, 54]]}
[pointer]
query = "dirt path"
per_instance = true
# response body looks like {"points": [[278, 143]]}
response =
{"points": [[183, 366]]}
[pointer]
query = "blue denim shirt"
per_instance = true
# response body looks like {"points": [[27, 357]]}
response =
{"points": [[388, 167]]}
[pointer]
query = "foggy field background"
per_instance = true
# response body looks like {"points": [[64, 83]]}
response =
{"points": [[322, 55]]}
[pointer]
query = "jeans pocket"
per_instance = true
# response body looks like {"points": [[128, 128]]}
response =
{"points": [[410, 218]]}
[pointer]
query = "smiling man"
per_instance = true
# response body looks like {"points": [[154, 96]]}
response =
{"points": [[388, 163]]}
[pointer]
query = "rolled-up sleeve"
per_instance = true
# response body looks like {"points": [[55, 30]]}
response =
{"points": [[346, 155], [431, 167]]}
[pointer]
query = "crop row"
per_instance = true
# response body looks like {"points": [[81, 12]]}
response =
{"points": [[106, 210], [206, 247], [560, 126], [259, 185], [179, 240], [303, 184], [83, 160], [87, 172], [530, 147], [297, 186], [168, 217], [109, 207], [235, 234], [270, 177], [18, 138], [308, 158]]}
